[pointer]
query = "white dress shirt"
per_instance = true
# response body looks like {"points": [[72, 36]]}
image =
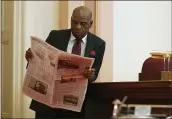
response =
{"points": [[72, 42]]}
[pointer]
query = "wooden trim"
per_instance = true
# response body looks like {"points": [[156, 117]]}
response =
{"points": [[18, 62], [63, 14], [96, 17], [92, 6]]}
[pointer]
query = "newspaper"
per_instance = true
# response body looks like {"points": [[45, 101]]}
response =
{"points": [[56, 78]]}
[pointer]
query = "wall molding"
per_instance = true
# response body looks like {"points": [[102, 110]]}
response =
{"points": [[5, 115], [17, 60], [63, 14], [0, 59]]}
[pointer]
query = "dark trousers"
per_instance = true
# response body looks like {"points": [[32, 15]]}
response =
{"points": [[59, 114], [51, 115], [45, 115]]}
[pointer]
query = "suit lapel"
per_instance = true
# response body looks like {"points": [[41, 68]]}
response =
{"points": [[89, 45], [65, 39]]}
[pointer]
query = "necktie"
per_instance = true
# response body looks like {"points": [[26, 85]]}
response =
{"points": [[77, 47]]}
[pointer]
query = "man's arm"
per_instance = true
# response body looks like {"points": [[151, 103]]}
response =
{"points": [[98, 61]]}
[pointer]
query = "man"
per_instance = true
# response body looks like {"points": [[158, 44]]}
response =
{"points": [[77, 40]]}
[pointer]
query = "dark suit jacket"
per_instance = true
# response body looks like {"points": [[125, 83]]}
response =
{"points": [[59, 39]]}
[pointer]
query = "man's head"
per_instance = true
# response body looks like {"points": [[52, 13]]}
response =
{"points": [[81, 21]]}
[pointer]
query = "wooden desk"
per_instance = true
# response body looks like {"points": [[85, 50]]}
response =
{"points": [[144, 92], [99, 96]]}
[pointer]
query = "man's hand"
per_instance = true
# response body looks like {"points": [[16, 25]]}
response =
{"points": [[28, 55], [89, 73]]}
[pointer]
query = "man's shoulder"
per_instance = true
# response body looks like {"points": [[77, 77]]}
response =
{"points": [[96, 38]]}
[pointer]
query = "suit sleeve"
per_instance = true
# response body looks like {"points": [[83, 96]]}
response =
{"points": [[98, 61]]}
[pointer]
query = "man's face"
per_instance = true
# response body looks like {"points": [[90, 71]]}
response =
{"points": [[80, 24]]}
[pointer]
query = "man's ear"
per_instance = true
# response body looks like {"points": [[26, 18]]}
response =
{"points": [[91, 23]]}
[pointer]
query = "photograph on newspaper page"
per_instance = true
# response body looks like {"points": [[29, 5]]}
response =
{"points": [[37, 89], [69, 91], [72, 64]]}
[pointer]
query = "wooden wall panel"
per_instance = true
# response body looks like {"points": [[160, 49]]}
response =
{"points": [[92, 6], [63, 14]]}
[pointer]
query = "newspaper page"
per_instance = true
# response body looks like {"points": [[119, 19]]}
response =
{"points": [[71, 85], [38, 82], [55, 77]]}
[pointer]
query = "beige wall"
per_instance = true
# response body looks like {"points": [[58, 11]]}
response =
{"points": [[40, 17], [92, 5], [105, 31]]}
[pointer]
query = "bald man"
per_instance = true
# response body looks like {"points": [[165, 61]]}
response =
{"points": [[77, 40]]}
